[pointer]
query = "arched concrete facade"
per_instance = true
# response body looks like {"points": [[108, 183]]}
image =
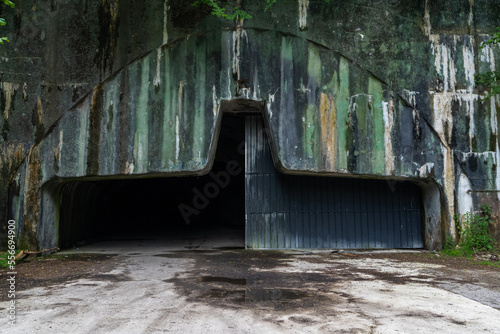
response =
{"points": [[329, 112]]}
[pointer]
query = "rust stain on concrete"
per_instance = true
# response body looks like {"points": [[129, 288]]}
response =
{"points": [[33, 184], [328, 129]]}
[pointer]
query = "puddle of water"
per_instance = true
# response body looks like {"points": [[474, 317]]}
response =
{"points": [[251, 294], [236, 295], [273, 295], [237, 281], [257, 295]]}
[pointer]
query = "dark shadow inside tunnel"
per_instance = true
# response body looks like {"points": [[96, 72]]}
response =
{"points": [[160, 207]]}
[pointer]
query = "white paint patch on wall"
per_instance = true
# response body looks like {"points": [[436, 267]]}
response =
{"points": [[270, 101], [483, 156], [469, 66], [157, 78], [426, 171], [441, 116], [470, 71], [129, 167], [388, 114], [215, 103], [493, 117], [238, 35], [411, 97], [444, 65], [464, 197], [488, 56], [303, 6], [497, 170]]}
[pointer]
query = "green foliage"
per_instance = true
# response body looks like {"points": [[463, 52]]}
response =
{"points": [[3, 22], [490, 79], [223, 9], [8, 3], [495, 39], [269, 3], [489, 263], [449, 246], [4, 259], [473, 230]]}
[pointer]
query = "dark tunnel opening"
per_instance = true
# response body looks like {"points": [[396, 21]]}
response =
{"points": [[161, 207]]}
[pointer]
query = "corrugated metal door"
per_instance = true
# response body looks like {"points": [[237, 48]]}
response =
{"points": [[290, 211]]}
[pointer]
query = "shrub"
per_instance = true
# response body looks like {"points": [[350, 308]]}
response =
{"points": [[473, 231]]}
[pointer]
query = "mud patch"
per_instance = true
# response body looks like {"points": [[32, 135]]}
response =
{"points": [[275, 295], [111, 277], [238, 281], [46, 271], [185, 254]]}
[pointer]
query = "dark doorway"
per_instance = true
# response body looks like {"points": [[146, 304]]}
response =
{"points": [[161, 207]]}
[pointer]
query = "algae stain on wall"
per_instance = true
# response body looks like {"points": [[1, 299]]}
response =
{"points": [[141, 142], [169, 111], [378, 145], [341, 91], [309, 120], [199, 121]]}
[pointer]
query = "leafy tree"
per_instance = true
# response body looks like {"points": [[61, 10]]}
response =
{"points": [[3, 22], [490, 79]]}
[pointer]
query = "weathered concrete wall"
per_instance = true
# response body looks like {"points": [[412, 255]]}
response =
{"points": [[128, 89]]}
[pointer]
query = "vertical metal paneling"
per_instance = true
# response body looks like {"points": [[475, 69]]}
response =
{"points": [[291, 211]]}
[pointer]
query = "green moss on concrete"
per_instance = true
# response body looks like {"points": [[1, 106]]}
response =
{"points": [[342, 109], [378, 149], [141, 143]]}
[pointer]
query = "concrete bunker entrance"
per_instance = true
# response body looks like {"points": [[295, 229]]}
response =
{"points": [[174, 209], [217, 205]]}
